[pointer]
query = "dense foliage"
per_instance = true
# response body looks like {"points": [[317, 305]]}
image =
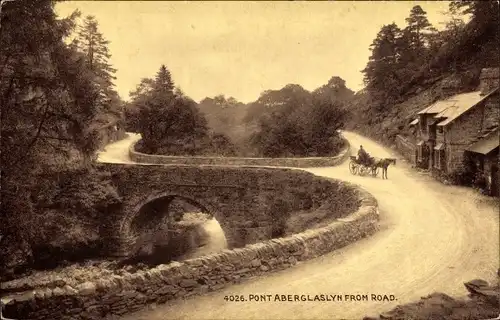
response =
{"points": [[406, 60], [225, 118], [294, 122], [170, 122], [305, 128], [403, 57], [50, 101], [290, 122]]}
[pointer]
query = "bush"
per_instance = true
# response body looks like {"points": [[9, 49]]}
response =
{"points": [[465, 174], [221, 145], [304, 130], [480, 182], [54, 220], [461, 176]]}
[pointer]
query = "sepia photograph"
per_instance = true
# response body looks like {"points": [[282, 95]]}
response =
{"points": [[249, 160]]}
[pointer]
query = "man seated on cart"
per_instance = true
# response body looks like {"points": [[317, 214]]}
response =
{"points": [[363, 157]]}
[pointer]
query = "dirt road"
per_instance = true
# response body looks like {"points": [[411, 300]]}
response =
{"points": [[117, 152], [432, 238]]}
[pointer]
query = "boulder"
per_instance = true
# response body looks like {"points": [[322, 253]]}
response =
{"points": [[86, 288]]}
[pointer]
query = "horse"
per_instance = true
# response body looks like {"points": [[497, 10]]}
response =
{"points": [[384, 164]]}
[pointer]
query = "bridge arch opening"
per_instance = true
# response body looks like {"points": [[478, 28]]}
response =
{"points": [[174, 228]]}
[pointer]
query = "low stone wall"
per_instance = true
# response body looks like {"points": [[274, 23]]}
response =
{"points": [[110, 133], [405, 148], [127, 292], [237, 161]]}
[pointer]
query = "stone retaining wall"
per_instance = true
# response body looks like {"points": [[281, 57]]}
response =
{"points": [[127, 292], [406, 148], [110, 133], [268, 162]]}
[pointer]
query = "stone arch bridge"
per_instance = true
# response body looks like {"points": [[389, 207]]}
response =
{"points": [[249, 203]]}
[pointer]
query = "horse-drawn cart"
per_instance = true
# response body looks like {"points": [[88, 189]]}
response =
{"points": [[356, 167]]}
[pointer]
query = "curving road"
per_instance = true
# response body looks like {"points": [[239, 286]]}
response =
{"points": [[432, 238]]}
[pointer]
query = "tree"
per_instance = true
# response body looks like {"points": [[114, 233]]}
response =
{"points": [[219, 100], [478, 38], [179, 93], [142, 89], [308, 128], [168, 121], [94, 46], [221, 145], [291, 95], [231, 101], [163, 83], [334, 90], [481, 11], [48, 102], [419, 30], [381, 73], [451, 35]]}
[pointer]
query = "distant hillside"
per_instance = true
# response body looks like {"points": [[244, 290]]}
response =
{"points": [[239, 121], [333, 91], [225, 115], [270, 99]]}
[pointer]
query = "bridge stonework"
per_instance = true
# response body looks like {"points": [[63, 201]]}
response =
{"points": [[236, 197], [240, 200]]}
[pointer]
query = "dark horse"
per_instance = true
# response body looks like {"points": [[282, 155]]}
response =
{"points": [[384, 164]]}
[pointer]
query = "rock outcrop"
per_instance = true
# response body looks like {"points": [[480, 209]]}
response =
{"points": [[481, 303]]}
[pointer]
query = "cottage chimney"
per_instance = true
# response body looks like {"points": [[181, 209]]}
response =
{"points": [[489, 80]]}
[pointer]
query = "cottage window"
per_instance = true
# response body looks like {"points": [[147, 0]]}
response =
{"points": [[437, 159], [420, 151], [423, 124], [439, 156], [440, 129]]}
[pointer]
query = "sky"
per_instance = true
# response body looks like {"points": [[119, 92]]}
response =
{"points": [[241, 48]]}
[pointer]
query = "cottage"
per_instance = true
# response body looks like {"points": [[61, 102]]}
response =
{"points": [[448, 127], [485, 155]]}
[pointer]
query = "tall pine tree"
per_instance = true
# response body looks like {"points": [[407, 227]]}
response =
{"points": [[418, 32], [381, 73], [91, 42], [168, 121], [163, 81]]}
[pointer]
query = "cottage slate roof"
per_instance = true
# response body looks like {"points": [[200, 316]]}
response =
{"points": [[454, 106], [437, 106], [485, 145], [463, 103], [450, 109]]}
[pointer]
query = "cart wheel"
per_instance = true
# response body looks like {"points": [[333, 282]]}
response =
{"points": [[353, 167], [362, 170]]}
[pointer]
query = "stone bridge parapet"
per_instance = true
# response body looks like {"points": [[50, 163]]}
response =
{"points": [[243, 200], [240, 161]]}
